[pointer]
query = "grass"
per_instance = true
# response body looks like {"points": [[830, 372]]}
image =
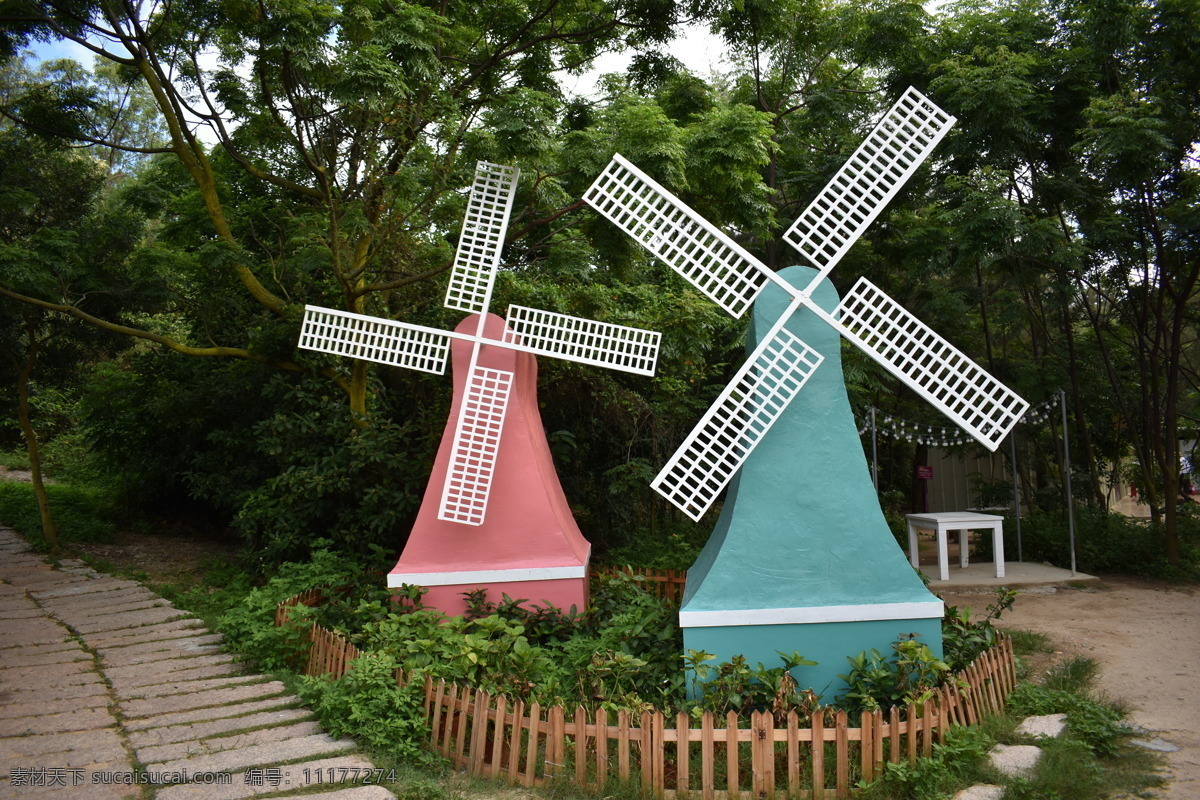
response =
{"points": [[1027, 643], [80, 514]]}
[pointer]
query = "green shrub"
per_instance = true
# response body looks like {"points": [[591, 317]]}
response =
{"points": [[1104, 542], [368, 704], [249, 627], [877, 683], [951, 767], [963, 639]]}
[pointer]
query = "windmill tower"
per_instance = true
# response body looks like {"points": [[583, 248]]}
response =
{"points": [[494, 514], [802, 558]]}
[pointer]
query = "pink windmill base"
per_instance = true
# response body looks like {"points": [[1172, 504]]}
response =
{"points": [[528, 545]]}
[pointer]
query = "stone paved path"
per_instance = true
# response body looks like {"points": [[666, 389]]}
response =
{"points": [[108, 692]]}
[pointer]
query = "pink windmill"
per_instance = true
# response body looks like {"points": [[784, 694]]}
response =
{"points": [[494, 514]]}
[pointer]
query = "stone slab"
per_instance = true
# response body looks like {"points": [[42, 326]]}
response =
{"points": [[1015, 761], [66, 655], [150, 676], [107, 606], [357, 793], [89, 587], [98, 599], [214, 697], [185, 686], [27, 632], [17, 651], [59, 674], [156, 754], [261, 755], [1155, 745], [85, 686], [122, 621], [200, 730], [12, 705], [196, 638], [150, 656], [148, 633], [981, 791], [74, 749], [81, 719], [291, 777], [1044, 726], [210, 713]]}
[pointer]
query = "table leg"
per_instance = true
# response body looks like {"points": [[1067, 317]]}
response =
{"points": [[964, 549], [914, 557], [943, 556], [998, 548]]}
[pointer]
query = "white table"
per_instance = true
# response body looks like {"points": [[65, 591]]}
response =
{"points": [[962, 521]]}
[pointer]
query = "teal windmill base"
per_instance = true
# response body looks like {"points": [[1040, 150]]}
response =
{"points": [[827, 643], [802, 558]]}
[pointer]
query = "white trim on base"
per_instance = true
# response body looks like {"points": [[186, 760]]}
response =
{"points": [[811, 614], [397, 579]]}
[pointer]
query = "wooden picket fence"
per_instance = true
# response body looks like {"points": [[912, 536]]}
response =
{"points": [[665, 583], [755, 756]]}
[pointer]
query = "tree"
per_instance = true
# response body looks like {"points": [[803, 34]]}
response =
{"points": [[354, 125]]}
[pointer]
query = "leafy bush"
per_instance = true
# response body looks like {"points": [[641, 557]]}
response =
{"points": [[249, 626], [622, 654], [367, 703], [734, 686], [1104, 542], [876, 683], [936, 777], [963, 639]]}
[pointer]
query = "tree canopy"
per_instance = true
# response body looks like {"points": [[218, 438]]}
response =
{"points": [[261, 156]]}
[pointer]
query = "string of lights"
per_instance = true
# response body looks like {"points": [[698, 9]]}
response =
{"points": [[919, 432]]}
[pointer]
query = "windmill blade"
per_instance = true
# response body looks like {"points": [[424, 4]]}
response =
{"points": [[583, 340], [383, 341], [856, 195], [476, 443], [927, 363], [681, 238], [482, 238], [732, 427]]}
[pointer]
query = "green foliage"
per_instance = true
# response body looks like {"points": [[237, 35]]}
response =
{"points": [[83, 514], [1108, 543], [1099, 727], [963, 639], [877, 683], [249, 626], [951, 767], [735, 686], [622, 654], [368, 704]]}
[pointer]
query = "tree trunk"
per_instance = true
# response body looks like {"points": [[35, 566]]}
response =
{"points": [[24, 369]]}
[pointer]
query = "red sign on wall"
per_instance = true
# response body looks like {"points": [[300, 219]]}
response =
{"points": [[925, 473]]}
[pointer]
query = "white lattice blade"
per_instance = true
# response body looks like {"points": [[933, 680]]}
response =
{"points": [[476, 443], [861, 189], [585, 341], [482, 238], [927, 363], [681, 238], [735, 423], [384, 341]]}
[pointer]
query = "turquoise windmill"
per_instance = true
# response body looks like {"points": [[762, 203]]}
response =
{"points": [[801, 557]]}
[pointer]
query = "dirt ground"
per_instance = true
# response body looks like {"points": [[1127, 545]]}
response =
{"points": [[1146, 637]]}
